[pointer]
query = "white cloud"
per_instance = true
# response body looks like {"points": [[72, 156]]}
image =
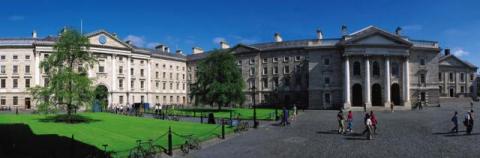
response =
{"points": [[460, 52], [414, 27], [136, 40], [217, 40], [16, 18]]}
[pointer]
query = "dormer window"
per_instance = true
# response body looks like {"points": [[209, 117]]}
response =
{"points": [[275, 59], [286, 59]]}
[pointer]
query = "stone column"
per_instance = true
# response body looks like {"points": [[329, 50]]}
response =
{"points": [[346, 88], [387, 83], [406, 84], [368, 94], [38, 72]]}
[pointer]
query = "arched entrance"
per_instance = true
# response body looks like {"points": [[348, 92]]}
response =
{"points": [[101, 98], [357, 96], [395, 94], [376, 95]]}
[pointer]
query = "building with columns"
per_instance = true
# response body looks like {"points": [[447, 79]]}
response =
{"points": [[129, 74], [370, 67]]}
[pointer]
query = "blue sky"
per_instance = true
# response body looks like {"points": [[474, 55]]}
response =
{"points": [[184, 24]]}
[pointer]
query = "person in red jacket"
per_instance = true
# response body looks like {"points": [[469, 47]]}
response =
{"points": [[374, 121]]}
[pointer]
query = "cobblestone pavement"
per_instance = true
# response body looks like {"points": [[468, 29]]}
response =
{"points": [[400, 134]]}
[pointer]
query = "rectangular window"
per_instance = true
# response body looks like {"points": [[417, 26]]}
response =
{"points": [[142, 84], [27, 57], [142, 73], [275, 70], [171, 85], [120, 83], [27, 83], [2, 57], [132, 84], [422, 78], [450, 76], [439, 76], [472, 76], [275, 82], [275, 59], [15, 69], [157, 84], [462, 77], [326, 61], [462, 89], [265, 71], [156, 74], [164, 85], [120, 99], [164, 74], [120, 58], [297, 58], [264, 60], [15, 100], [327, 80], [3, 69], [265, 83], [286, 81], [327, 98], [45, 82], [252, 61], [120, 70], [15, 83], [178, 76], [131, 71], [15, 57], [183, 86], [286, 59], [101, 68], [3, 83], [286, 70], [3, 100], [178, 86], [27, 69]]}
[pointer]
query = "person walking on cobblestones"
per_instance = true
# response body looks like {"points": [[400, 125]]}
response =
{"points": [[391, 107], [294, 112], [468, 122], [368, 127], [374, 122], [455, 123], [341, 122], [350, 121]]}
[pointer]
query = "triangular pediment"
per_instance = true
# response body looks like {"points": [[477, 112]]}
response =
{"points": [[374, 36], [241, 48], [103, 38], [453, 61], [376, 39]]}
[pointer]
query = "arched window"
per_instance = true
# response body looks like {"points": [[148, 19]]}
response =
{"points": [[356, 68], [376, 69]]}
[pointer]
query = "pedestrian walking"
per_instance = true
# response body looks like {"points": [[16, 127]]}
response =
{"points": [[468, 122], [455, 123], [294, 112], [285, 116], [391, 107], [368, 127], [350, 121], [374, 122], [341, 122]]}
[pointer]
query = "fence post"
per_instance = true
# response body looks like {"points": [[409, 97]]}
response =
{"points": [[223, 129], [170, 141], [201, 117]]}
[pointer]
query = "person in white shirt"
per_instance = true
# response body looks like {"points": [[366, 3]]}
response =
{"points": [[368, 124]]}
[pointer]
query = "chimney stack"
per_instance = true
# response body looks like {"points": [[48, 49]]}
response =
{"points": [[447, 51], [197, 50], [115, 35], [277, 37], [398, 31], [167, 50], [34, 34], [319, 34], [224, 45], [344, 30], [128, 42], [179, 52], [160, 47]]}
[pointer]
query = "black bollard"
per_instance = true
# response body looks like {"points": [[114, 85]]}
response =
{"points": [[223, 129], [170, 141], [255, 123]]}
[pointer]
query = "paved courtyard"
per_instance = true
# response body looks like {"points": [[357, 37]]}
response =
{"points": [[400, 134]]}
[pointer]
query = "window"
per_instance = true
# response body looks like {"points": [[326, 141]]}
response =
{"points": [[441, 89], [171, 85], [141, 62], [177, 76], [265, 83], [27, 69], [395, 69], [15, 83], [156, 74], [286, 59], [163, 66], [422, 78], [326, 61], [157, 84], [3, 100], [183, 86], [131, 71], [356, 68], [101, 68], [142, 72], [2, 57], [142, 84], [164, 85], [264, 60], [120, 58], [27, 57], [15, 69], [183, 76], [252, 71], [132, 84], [15, 100], [120, 70], [164, 74], [275, 82], [131, 61], [265, 71], [462, 89], [27, 83], [120, 99], [450, 77], [2, 69], [3, 83], [422, 62], [275, 70], [286, 69], [462, 77], [376, 69], [252, 61], [120, 83], [286, 81], [297, 58], [142, 99], [251, 84], [15, 57], [275, 59], [472, 76], [178, 86], [171, 75], [46, 56], [440, 76], [327, 98], [327, 80]]}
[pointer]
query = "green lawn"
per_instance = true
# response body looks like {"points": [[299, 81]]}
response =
{"points": [[118, 131], [245, 113]]}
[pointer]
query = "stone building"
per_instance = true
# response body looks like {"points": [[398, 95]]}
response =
{"points": [[129, 74], [457, 77], [370, 67]]}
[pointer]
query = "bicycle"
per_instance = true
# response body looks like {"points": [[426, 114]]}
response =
{"points": [[146, 150], [191, 143], [241, 127]]}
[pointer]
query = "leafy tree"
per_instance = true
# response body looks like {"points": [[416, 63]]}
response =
{"points": [[219, 81], [68, 84]]}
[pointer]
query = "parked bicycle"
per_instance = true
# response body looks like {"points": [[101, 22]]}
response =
{"points": [[146, 150], [191, 143]]}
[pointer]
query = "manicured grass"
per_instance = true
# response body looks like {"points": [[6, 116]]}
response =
{"points": [[244, 113], [118, 131]]}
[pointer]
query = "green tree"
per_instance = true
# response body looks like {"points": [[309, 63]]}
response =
{"points": [[219, 81], [68, 84]]}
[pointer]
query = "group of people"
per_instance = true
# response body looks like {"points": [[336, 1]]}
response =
{"points": [[370, 122], [467, 122], [286, 115]]}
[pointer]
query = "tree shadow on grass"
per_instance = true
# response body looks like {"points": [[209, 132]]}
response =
{"points": [[18, 141], [68, 119]]}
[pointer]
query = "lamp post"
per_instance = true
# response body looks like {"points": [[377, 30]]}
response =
{"points": [[255, 123]]}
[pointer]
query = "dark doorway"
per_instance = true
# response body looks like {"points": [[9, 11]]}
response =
{"points": [[27, 103], [376, 95], [357, 96], [422, 97], [101, 98], [451, 92], [395, 94]]}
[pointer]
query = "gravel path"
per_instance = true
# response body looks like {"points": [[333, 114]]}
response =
{"points": [[401, 134]]}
